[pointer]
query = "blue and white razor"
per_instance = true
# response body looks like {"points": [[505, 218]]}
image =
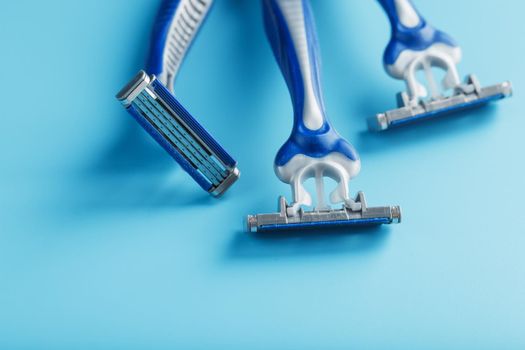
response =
{"points": [[314, 149], [417, 46], [148, 100]]}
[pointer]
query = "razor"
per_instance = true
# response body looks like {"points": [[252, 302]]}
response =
{"points": [[148, 98], [416, 46], [314, 148]]}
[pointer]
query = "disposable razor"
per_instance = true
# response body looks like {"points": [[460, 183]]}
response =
{"points": [[417, 46], [149, 99], [314, 148]]}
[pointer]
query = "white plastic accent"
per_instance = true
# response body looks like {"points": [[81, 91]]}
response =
{"points": [[438, 55], [334, 165], [407, 14], [294, 15], [180, 37]]}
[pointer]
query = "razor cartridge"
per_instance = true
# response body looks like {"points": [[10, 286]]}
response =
{"points": [[328, 218], [166, 120], [314, 148], [415, 46], [467, 96]]}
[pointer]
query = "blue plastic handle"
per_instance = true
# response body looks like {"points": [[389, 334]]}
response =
{"points": [[279, 27], [410, 31], [176, 25], [291, 31], [396, 9]]}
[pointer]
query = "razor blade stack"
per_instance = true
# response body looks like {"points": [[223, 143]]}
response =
{"points": [[314, 148], [166, 120], [415, 46]]}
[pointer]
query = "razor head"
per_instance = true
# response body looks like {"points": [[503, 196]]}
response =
{"points": [[466, 96], [173, 127], [323, 219]]}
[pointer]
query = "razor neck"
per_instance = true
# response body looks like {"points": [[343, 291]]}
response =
{"points": [[176, 25], [403, 15], [291, 31]]}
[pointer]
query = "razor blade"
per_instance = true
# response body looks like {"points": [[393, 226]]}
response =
{"points": [[173, 127], [329, 218], [467, 96]]}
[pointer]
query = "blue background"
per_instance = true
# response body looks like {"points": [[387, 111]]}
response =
{"points": [[106, 244]]}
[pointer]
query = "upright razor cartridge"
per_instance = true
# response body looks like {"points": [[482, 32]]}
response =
{"points": [[150, 101], [166, 120], [417, 46], [314, 149]]}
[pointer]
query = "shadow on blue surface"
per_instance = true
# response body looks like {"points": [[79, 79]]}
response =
{"points": [[116, 193], [304, 243], [133, 172], [131, 151]]}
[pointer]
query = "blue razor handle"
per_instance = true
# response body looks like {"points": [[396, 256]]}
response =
{"points": [[410, 31], [416, 45], [290, 29], [173, 127], [176, 25], [314, 148]]}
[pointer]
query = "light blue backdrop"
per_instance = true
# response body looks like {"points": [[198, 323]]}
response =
{"points": [[105, 244]]}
